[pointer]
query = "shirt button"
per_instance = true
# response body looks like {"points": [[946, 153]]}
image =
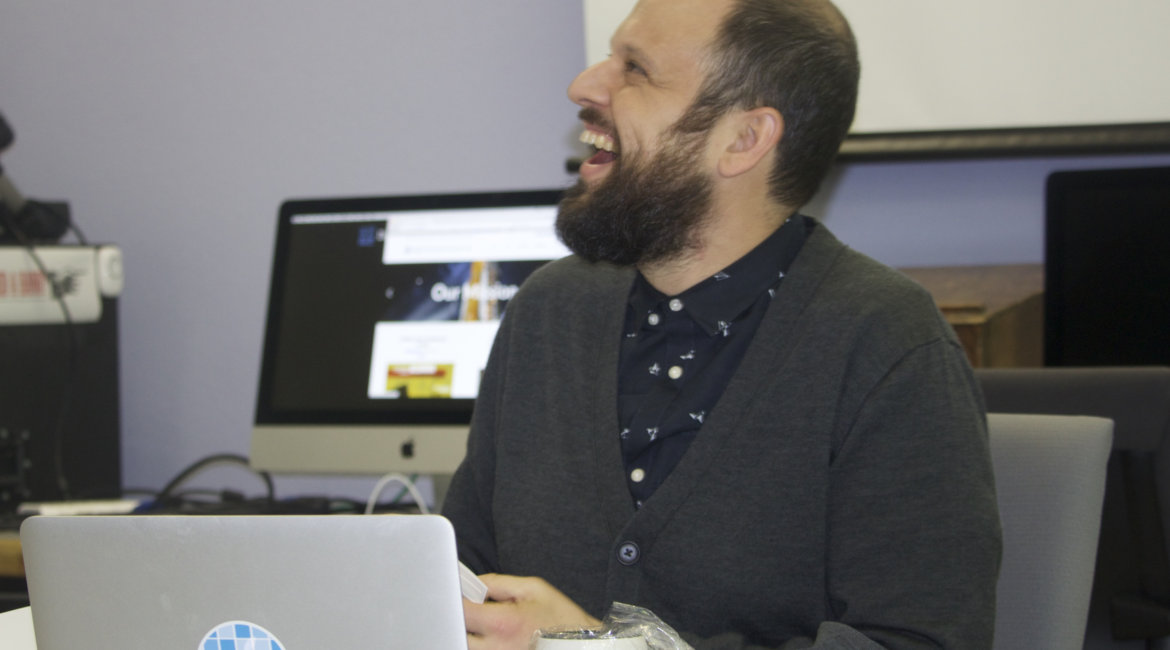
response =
{"points": [[676, 305], [637, 475], [675, 372], [628, 553], [652, 319]]}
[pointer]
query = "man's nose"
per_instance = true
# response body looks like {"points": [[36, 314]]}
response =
{"points": [[591, 87]]}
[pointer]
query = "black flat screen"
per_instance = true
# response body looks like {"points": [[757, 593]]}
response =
{"points": [[1107, 272]]}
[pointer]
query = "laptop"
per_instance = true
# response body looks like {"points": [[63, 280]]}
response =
{"points": [[244, 582]]}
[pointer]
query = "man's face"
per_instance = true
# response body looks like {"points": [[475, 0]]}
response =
{"points": [[650, 79], [643, 195]]}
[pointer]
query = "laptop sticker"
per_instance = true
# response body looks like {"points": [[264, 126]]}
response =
{"points": [[239, 635]]}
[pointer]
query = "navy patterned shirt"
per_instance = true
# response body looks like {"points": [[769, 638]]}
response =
{"points": [[679, 352]]}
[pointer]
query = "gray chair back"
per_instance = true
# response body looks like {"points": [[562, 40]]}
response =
{"points": [[1136, 399], [1131, 590], [1050, 482]]}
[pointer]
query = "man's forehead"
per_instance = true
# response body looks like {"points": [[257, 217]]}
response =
{"points": [[667, 30]]}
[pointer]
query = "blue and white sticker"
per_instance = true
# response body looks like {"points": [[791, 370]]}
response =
{"points": [[239, 635]]}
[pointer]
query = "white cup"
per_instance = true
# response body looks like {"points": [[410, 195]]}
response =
{"points": [[631, 643]]}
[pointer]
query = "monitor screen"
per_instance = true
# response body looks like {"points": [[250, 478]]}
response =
{"points": [[382, 312], [1107, 274]]}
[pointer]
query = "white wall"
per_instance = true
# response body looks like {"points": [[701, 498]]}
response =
{"points": [[176, 129], [930, 65]]}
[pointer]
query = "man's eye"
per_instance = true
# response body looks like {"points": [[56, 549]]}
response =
{"points": [[634, 67]]}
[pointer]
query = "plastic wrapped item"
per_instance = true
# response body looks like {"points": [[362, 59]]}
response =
{"points": [[625, 628], [473, 588]]}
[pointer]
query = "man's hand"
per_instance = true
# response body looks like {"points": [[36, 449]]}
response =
{"points": [[522, 606]]}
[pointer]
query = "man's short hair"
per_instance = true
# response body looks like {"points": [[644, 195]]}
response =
{"points": [[799, 57]]}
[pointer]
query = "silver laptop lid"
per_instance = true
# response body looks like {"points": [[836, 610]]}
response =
{"points": [[244, 583]]}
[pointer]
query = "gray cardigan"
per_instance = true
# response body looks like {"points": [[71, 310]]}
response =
{"points": [[841, 489]]}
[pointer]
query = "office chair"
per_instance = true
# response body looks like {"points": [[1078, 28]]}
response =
{"points": [[1131, 590], [1050, 482]]}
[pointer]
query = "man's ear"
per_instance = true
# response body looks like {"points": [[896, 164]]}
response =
{"points": [[755, 135]]}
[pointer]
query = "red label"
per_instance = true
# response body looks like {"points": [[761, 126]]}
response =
{"points": [[24, 284]]}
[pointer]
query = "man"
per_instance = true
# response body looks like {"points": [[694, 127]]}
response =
{"points": [[715, 410]]}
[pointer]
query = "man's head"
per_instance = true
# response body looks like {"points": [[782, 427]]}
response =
{"points": [[799, 57], [697, 92]]}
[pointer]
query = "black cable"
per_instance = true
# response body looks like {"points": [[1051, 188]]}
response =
{"points": [[77, 233], [168, 493], [203, 492], [71, 335]]}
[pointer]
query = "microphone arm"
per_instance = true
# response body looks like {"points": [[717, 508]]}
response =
{"points": [[11, 196], [6, 135], [8, 192]]}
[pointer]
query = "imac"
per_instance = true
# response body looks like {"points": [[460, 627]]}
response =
{"points": [[381, 316]]}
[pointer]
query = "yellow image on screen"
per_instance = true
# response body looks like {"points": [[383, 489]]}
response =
{"points": [[420, 380]]}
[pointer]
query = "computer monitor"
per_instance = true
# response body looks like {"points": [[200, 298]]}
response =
{"points": [[381, 316], [1107, 274]]}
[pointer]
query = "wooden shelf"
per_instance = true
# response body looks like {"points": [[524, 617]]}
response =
{"points": [[996, 311], [11, 560]]}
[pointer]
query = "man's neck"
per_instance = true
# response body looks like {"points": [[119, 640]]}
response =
{"points": [[730, 233]]}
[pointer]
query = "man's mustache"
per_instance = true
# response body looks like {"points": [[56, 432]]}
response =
{"points": [[594, 117]]}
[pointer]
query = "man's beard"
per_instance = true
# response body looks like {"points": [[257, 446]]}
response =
{"points": [[646, 210]]}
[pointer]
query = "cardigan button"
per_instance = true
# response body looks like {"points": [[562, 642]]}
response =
{"points": [[628, 553]]}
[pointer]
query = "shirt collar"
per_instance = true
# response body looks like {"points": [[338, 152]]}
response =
{"points": [[730, 292]]}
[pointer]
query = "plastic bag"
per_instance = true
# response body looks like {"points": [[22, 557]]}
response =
{"points": [[625, 628]]}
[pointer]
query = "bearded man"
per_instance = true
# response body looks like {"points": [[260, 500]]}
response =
{"points": [[715, 410]]}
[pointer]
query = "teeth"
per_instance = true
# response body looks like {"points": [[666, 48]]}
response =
{"points": [[599, 140]]}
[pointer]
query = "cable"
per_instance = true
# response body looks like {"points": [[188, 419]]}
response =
{"points": [[206, 492], [71, 376], [168, 492], [404, 491], [406, 482], [77, 233]]}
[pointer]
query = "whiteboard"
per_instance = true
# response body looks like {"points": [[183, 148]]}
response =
{"points": [[943, 65], [602, 18]]}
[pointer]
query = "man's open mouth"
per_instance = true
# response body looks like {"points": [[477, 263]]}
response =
{"points": [[607, 148]]}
